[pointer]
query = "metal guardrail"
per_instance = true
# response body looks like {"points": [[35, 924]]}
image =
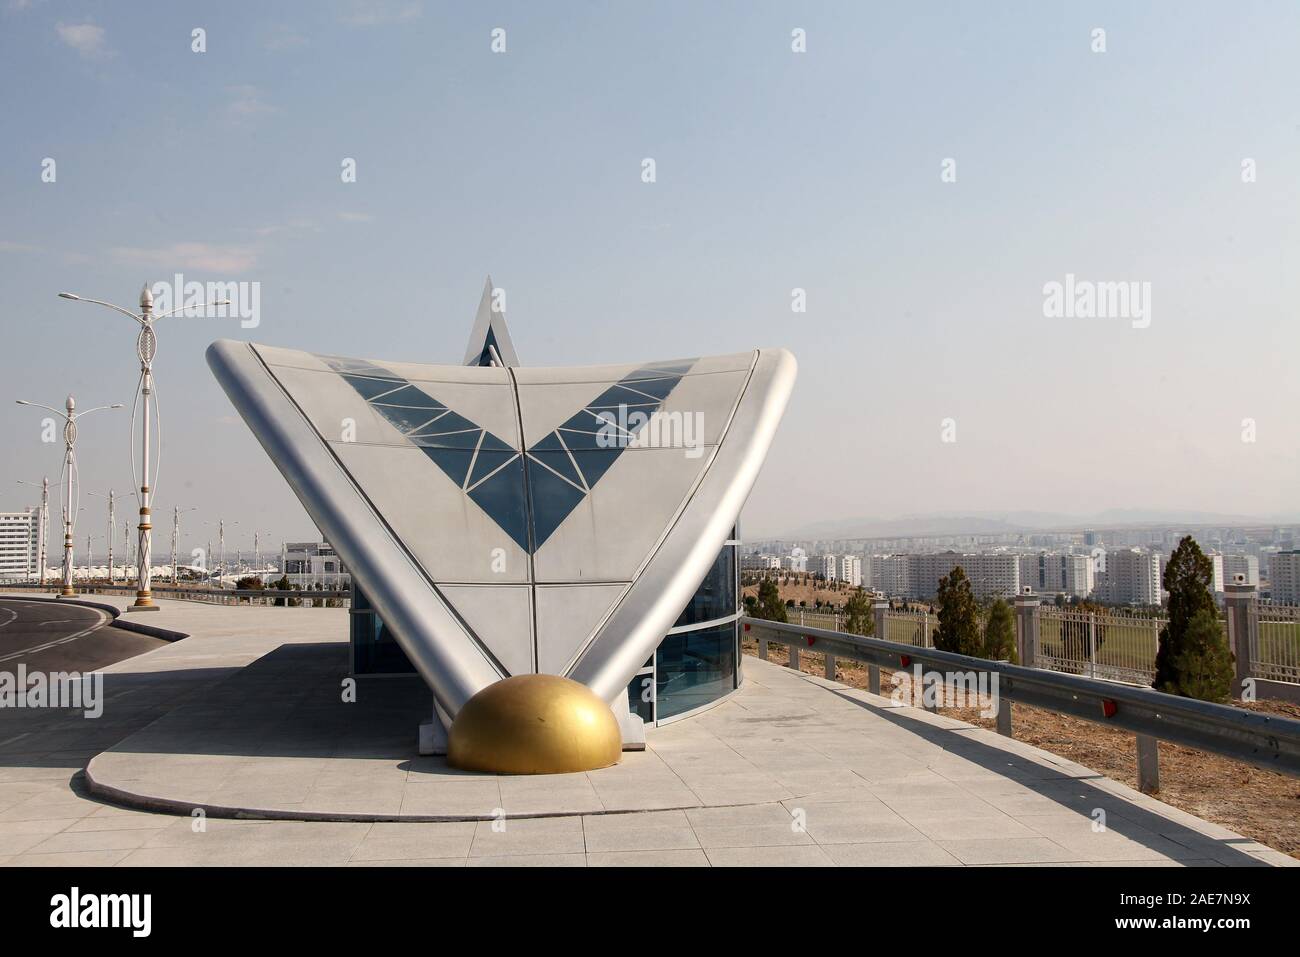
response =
{"points": [[1264, 740]]}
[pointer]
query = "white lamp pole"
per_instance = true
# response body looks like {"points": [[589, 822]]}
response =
{"points": [[176, 534], [69, 471], [146, 345], [111, 522]]}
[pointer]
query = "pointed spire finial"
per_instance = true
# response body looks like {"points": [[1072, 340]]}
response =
{"points": [[489, 340]]}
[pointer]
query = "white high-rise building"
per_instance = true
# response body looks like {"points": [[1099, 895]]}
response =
{"points": [[1132, 577], [829, 567], [890, 574], [1216, 562], [851, 570], [19, 537], [1285, 577], [1050, 573]]}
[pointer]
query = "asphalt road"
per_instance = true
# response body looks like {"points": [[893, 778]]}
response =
{"points": [[53, 636]]}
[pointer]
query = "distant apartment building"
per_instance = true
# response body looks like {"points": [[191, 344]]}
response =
{"points": [[308, 564], [1216, 566], [991, 574], [1050, 573], [1247, 566], [19, 535], [829, 567], [1132, 577], [1285, 580], [851, 570], [890, 574]]}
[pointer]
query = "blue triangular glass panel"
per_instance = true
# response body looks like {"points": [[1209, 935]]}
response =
{"points": [[454, 462], [502, 497], [368, 388], [560, 462], [553, 500], [409, 397], [487, 462], [593, 463]]}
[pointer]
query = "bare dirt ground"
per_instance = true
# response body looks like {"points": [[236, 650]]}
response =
{"points": [[1262, 805]]}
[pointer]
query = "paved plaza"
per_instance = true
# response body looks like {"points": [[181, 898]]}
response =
{"points": [[246, 719]]}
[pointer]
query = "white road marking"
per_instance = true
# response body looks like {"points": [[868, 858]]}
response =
{"points": [[101, 618]]}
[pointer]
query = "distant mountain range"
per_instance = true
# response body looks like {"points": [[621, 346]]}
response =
{"points": [[1009, 523]]}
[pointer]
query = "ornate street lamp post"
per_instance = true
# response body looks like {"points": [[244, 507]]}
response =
{"points": [[70, 418], [146, 345]]}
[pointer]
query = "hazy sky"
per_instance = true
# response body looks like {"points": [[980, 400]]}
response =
{"points": [[775, 170]]}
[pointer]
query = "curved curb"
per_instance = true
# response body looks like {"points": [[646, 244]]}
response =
{"points": [[118, 621], [163, 805]]}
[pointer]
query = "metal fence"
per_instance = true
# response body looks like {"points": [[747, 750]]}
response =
{"points": [[908, 628], [1117, 645], [1275, 651]]}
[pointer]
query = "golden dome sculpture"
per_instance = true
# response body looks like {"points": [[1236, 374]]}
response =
{"points": [[534, 724]]}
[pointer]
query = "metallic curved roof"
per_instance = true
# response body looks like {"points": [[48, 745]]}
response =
{"points": [[508, 520]]}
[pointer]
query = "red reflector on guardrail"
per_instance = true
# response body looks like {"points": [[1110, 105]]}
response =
{"points": [[905, 660], [1108, 707], [810, 639], [747, 626]]}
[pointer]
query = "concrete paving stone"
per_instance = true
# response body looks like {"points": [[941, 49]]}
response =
{"points": [[19, 791], [530, 860], [422, 862], [723, 795], [634, 837], [806, 855], [405, 840], [90, 841], [634, 799], [1025, 850], [757, 815], [750, 835], [469, 798], [26, 773], [918, 853], [596, 823], [44, 807], [804, 782], [521, 836], [102, 858], [861, 832], [943, 828], [868, 809], [520, 795], [663, 858]]}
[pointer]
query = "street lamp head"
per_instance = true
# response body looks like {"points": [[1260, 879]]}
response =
{"points": [[72, 403], [22, 401], [116, 405], [69, 295]]}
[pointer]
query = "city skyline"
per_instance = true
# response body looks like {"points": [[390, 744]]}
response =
{"points": [[777, 171]]}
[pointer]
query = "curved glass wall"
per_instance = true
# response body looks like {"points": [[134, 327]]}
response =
{"points": [[698, 662], [694, 668], [696, 665]]}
